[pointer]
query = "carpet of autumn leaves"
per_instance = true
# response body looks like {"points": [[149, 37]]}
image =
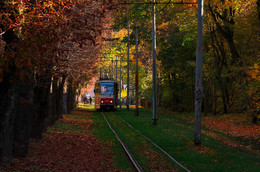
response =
{"points": [[245, 134], [73, 149], [237, 125]]}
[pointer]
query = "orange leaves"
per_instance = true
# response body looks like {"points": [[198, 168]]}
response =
{"points": [[66, 34], [254, 72], [222, 127], [193, 5], [66, 151], [237, 125], [203, 150]]}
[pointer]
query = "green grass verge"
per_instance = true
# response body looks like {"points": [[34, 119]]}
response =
{"points": [[176, 137]]}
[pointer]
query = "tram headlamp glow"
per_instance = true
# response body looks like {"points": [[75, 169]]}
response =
{"points": [[102, 101], [111, 101]]}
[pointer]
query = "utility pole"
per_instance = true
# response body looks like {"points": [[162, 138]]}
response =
{"points": [[154, 67], [153, 3], [198, 82], [112, 69], [136, 71], [121, 79], [100, 69], [128, 49], [116, 68]]}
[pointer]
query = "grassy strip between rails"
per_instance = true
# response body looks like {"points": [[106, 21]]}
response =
{"points": [[144, 153], [176, 137], [101, 130]]}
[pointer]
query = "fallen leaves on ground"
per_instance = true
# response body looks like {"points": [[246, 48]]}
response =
{"points": [[157, 163], [66, 151], [235, 125]]}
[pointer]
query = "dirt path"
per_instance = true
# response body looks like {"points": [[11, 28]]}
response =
{"points": [[68, 146]]}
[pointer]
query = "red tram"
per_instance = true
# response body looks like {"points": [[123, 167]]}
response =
{"points": [[106, 95]]}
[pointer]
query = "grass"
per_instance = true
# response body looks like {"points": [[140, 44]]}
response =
{"points": [[65, 127], [100, 129], [142, 150], [176, 137]]}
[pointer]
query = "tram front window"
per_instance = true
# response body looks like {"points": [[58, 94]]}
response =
{"points": [[107, 88]]}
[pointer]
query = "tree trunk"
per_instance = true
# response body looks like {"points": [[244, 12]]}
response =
{"points": [[53, 101], [258, 10], [65, 101], [214, 98], [59, 98], [23, 120], [219, 64], [205, 97], [40, 105], [71, 96], [48, 119], [225, 96], [8, 94]]}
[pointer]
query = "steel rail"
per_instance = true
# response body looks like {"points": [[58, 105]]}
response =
{"points": [[174, 160], [130, 156]]}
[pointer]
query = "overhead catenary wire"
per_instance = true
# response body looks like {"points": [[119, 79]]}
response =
{"points": [[164, 7]]}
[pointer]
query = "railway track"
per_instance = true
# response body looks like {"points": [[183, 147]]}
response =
{"points": [[133, 161], [162, 150], [128, 153]]}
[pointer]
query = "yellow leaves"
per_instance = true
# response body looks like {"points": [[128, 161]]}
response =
{"points": [[121, 33], [124, 93], [254, 72], [163, 26]]}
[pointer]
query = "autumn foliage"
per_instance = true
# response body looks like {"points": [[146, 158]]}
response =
{"points": [[47, 48], [64, 36]]}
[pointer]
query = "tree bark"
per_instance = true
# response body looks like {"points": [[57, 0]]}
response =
{"points": [[258, 9], [70, 96], [220, 63], [59, 98], [8, 94], [53, 100], [40, 105], [214, 98], [225, 95], [23, 120], [226, 30], [205, 97]]}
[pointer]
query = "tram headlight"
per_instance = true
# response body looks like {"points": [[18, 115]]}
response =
{"points": [[102, 101], [111, 101]]}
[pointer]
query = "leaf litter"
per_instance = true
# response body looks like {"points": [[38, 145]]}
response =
{"points": [[63, 149]]}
